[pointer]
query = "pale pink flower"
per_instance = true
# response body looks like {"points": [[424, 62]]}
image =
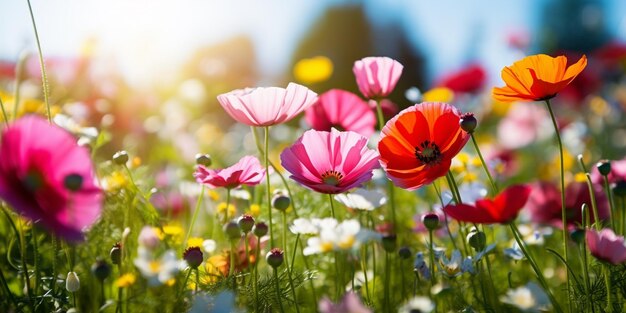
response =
{"points": [[523, 125], [330, 162], [343, 110], [247, 171], [39, 162], [377, 76], [606, 246], [350, 303], [266, 106]]}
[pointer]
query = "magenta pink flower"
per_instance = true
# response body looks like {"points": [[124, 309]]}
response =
{"points": [[41, 164], [267, 106], [343, 110], [247, 171], [330, 162], [377, 76], [606, 246]]}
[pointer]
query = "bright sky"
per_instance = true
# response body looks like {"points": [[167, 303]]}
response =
{"points": [[151, 37]]}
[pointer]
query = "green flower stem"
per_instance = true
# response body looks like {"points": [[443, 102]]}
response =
{"points": [[607, 189], [381, 125], [8, 291], [431, 254], [535, 267], [227, 205], [35, 259], [445, 216], [609, 296], [293, 254], [592, 194], [267, 181], [4, 114], [457, 199], [19, 70], [256, 273], [585, 262], [563, 209], [289, 268], [184, 285], [195, 215], [484, 164], [44, 77], [29, 291], [364, 268], [278, 295], [332, 206]]}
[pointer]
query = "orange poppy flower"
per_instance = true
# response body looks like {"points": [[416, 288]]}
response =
{"points": [[537, 77], [418, 144]]}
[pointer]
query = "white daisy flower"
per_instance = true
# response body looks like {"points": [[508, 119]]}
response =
{"points": [[418, 304], [362, 199], [528, 298], [158, 271]]}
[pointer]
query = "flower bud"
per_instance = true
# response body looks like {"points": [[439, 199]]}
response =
{"points": [[477, 240], [246, 222], [193, 256], [604, 167], [73, 182], [120, 157], [203, 159], [116, 253], [578, 235], [232, 230], [72, 283], [620, 188], [404, 252], [101, 269], [275, 257], [389, 242], [468, 122], [431, 221], [260, 229], [281, 202]]}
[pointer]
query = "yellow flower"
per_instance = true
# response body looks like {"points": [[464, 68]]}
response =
{"points": [[170, 282], [125, 280], [439, 94], [114, 181], [313, 70], [136, 162], [580, 178], [213, 195], [194, 242], [255, 210], [222, 207], [172, 230]]}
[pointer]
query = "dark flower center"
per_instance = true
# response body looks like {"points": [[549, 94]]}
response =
{"points": [[428, 152], [332, 177], [33, 180]]}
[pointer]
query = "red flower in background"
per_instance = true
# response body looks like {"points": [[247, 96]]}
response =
{"points": [[417, 146], [343, 110], [544, 204], [501, 210], [469, 79]]}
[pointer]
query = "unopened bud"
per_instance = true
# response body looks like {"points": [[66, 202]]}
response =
{"points": [[431, 221], [275, 257], [116, 253], [72, 283], [260, 229], [101, 269], [246, 222], [281, 202], [468, 122], [232, 230], [203, 159], [477, 240], [604, 167], [120, 157], [404, 252], [193, 256], [389, 242]]}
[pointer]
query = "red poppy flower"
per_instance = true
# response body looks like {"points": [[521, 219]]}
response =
{"points": [[470, 79], [501, 210], [417, 146]]}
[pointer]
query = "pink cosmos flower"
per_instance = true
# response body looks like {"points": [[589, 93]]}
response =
{"points": [[38, 161], [267, 106], [330, 162], [343, 110], [377, 76], [247, 171], [606, 246]]}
